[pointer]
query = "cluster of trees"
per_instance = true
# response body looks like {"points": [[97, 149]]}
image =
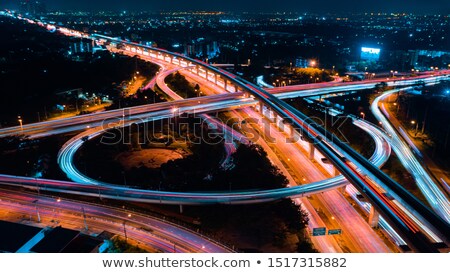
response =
{"points": [[340, 126], [121, 246], [430, 111], [277, 226], [297, 75], [25, 157], [140, 98], [179, 84], [35, 67]]}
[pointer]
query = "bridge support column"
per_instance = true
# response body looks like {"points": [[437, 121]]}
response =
{"points": [[273, 117], [312, 150], [198, 70], [225, 84], [374, 217], [235, 88], [260, 107], [336, 171], [280, 125], [181, 209], [291, 131], [215, 79]]}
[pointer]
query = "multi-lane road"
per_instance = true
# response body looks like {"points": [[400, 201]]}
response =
{"points": [[435, 196], [149, 231], [365, 176]]}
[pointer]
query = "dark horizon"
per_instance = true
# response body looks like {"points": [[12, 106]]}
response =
{"points": [[294, 6]]}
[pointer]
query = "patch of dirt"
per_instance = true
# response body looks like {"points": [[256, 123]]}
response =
{"points": [[150, 158]]}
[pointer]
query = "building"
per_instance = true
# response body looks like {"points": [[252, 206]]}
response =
{"points": [[32, 7], [301, 63], [20, 238], [82, 46]]}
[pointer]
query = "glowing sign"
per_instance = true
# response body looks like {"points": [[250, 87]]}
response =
{"points": [[370, 54]]}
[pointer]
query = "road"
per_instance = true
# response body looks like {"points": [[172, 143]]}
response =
{"points": [[351, 165], [437, 199], [365, 232], [357, 169], [357, 240], [333, 208], [216, 125], [152, 233]]}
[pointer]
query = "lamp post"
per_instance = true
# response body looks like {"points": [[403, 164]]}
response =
{"points": [[413, 122], [363, 115], [20, 122]]}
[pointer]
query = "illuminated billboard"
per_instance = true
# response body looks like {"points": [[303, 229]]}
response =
{"points": [[370, 54]]}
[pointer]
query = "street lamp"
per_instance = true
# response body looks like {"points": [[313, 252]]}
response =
{"points": [[312, 63], [413, 122], [20, 122], [363, 115]]}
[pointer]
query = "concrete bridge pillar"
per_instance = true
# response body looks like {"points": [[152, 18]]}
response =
{"points": [[273, 117], [215, 79], [235, 88], [336, 171], [374, 217], [312, 150], [280, 124], [181, 209], [225, 84], [198, 69], [260, 107], [342, 189]]}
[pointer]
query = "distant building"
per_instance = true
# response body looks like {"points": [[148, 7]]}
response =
{"points": [[202, 49], [32, 7], [82, 46], [301, 63], [370, 54], [432, 53]]}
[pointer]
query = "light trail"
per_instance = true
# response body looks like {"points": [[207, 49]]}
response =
{"points": [[432, 192]]}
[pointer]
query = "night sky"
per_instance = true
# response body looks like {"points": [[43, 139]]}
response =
{"points": [[419, 6]]}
